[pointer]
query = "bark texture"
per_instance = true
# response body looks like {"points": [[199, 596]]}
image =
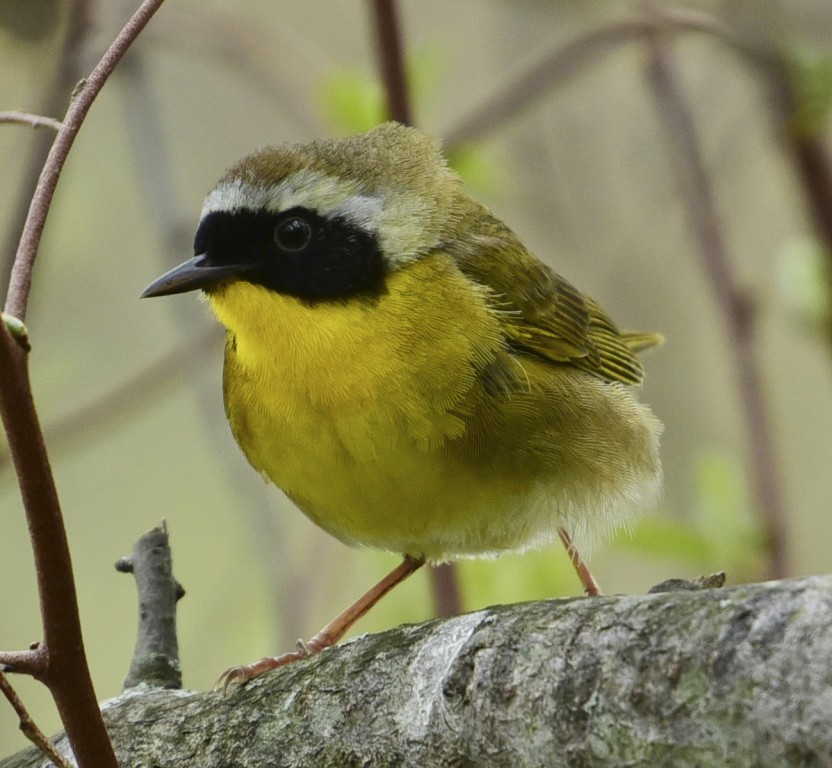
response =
{"points": [[155, 662], [725, 677]]}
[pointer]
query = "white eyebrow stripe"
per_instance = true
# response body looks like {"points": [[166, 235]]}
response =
{"points": [[361, 210], [327, 195]]}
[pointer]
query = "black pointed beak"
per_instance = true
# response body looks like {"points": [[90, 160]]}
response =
{"points": [[195, 273]]}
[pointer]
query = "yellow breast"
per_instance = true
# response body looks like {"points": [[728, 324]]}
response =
{"points": [[348, 406], [402, 421]]}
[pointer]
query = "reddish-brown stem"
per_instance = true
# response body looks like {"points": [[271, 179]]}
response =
{"points": [[447, 599], [391, 60]]}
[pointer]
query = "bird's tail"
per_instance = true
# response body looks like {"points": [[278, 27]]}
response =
{"points": [[637, 342]]}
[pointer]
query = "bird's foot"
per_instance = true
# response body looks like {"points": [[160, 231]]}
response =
{"points": [[245, 672]]}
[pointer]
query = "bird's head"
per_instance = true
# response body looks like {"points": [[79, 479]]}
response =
{"points": [[322, 221]]}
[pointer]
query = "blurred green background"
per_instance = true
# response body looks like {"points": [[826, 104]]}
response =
{"points": [[585, 175]]}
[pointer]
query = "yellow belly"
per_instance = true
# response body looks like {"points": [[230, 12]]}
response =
{"points": [[386, 422]]}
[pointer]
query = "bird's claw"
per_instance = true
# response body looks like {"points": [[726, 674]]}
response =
{"points": [[245, 672]]}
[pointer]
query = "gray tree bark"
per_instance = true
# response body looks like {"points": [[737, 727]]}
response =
{"points": [[725, 677]]}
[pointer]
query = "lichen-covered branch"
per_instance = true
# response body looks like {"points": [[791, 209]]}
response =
{"points": [[155, 662], [718, 677]]}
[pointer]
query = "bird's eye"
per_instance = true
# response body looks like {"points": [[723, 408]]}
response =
{"points": [[293, 234]]}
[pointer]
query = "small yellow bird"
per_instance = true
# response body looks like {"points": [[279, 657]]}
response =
{"points": [[405, 370]]}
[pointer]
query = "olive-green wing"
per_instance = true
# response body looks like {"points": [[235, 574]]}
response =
{"points": [[545, 315]]}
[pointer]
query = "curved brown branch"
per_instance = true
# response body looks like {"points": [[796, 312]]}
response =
{"points": [[21, 278], [734, 305]]}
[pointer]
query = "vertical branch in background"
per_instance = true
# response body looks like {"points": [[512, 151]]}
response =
{"points": [[391, 60], [444, 581], [736, 307]]}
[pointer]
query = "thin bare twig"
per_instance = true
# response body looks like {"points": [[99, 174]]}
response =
{"points": [[27, 118], [21, 277], [28, 726], [444, 581], [735, 305]]}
